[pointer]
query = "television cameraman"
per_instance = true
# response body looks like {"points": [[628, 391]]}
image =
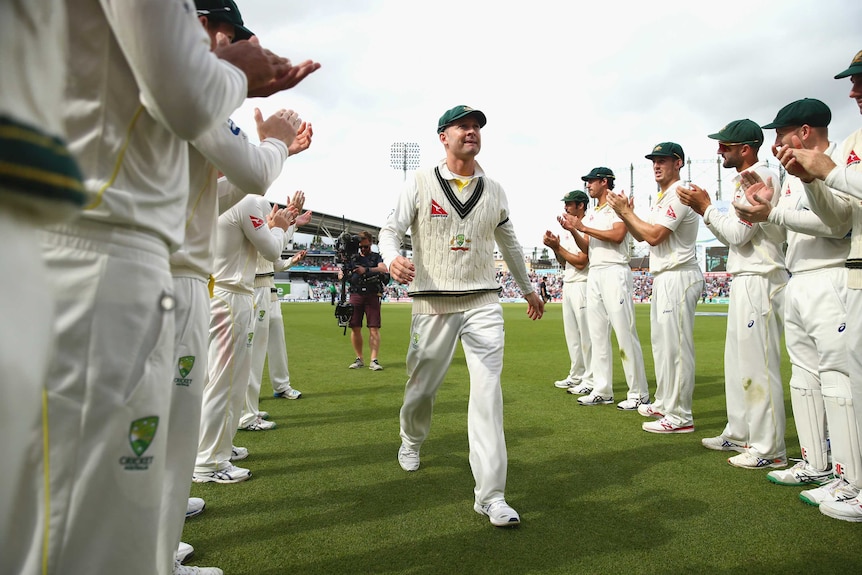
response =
{"points": [[367, 277]]}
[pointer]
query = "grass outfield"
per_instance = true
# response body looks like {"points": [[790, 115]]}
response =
{"points": [[596, 494]]}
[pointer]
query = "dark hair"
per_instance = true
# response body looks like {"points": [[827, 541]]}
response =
{"points": [[365, 235]]}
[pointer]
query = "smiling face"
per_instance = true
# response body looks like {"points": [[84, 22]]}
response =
{"points": [[462, 138]]}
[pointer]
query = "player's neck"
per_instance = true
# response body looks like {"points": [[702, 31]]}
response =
{"points": [[461, 167]]}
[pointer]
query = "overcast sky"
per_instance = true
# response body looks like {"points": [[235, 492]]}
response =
{"points": [[566, 87]]}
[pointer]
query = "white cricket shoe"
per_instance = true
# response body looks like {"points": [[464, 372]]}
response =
{"points": [[582, 389], [499, 513], [238, 453], [848, 510], [375, 365], [800, 474], [189, 570], [263, 414], [232, 474], [719, 443], [647, 410], [595, 399], [565, 383], [288, 393], [663, 425], [195, 507], [836, 490], [357, 363], [184, 552], [631, 404], [748, 460], [259, 424], [408, 458]]}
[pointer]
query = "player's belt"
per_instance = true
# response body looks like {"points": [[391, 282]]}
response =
{"points": [[269, 275], [273, 290], [854, 264]]}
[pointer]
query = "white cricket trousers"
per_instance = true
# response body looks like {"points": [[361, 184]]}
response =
{"points": [[26, 344], [816, 337], [433, 339], [108, 396], [276, 355], [577, 334], [674, 300], [259, 347], [229, 364], [854, 352], [752, 364], [610, 305], [186, 388]]}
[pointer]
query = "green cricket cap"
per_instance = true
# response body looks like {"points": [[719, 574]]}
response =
{"points": [[457, 113], [668, 150], [577, 196], [739, 132], [224, 11], [598, 174], [855, 67], [807, 111]]}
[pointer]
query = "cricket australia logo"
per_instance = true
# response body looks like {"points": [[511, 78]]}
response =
{"points": [[250, 338], [437, 211], [141, 434], [414, 340], [261, 314], [184, 367], [459, 243]]}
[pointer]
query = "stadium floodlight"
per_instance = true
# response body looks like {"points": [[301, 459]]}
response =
{"points": [[404, 156]]}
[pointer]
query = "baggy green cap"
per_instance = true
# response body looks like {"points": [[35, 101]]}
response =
{"points": [[457, 113], [666, 149], [598, 174], [855, 67], [577, 196], [739, 132], [807, 111]]}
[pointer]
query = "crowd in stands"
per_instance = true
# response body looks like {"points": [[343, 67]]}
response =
{"points": [[717, 286]]}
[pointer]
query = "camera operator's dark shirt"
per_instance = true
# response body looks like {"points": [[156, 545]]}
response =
{"points": [[369, 281]]}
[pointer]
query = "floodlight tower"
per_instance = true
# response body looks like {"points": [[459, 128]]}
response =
{"points": [[404, 156]]}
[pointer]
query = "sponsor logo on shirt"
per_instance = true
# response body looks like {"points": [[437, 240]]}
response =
{"points": [[670, 213], [234, 129], [256, 221], [437, 211], [852, 158]]}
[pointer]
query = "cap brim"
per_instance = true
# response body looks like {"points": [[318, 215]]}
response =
{"points": [[241, 33], [851, 71], [772, 126]]}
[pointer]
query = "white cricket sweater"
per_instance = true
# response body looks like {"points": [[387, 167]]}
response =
{"points": [[453, 236]]}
